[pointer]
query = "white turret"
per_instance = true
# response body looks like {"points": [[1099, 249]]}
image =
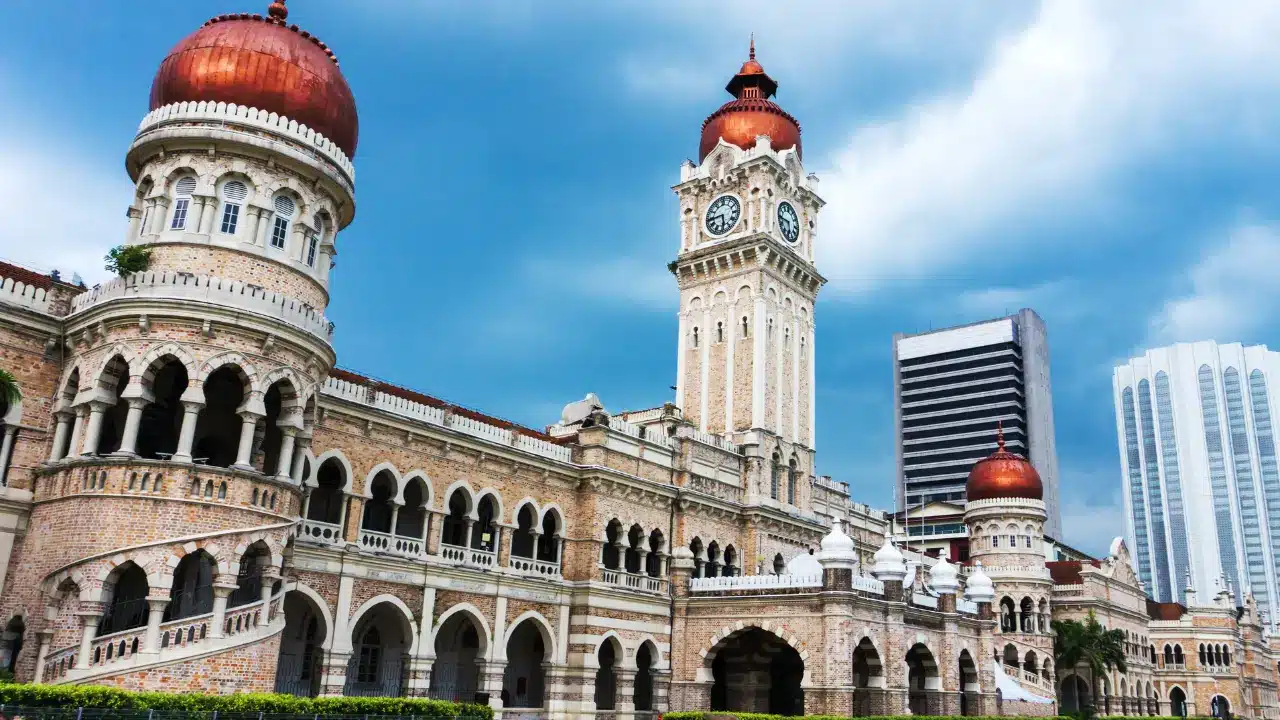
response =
{"points": [[979, 587], [889, 563], [944, 577], [838, 551]]}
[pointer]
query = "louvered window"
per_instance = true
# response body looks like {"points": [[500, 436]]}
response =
{"points": [[182, 192], [233, 194], [280, 229]]}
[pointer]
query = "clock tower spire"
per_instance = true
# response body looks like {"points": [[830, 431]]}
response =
{"points": [[746, 273]]}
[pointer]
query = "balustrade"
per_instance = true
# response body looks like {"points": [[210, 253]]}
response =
{"points": [[754, 582], [634, 581], [321, 532], [534, 566], [468, 556]]}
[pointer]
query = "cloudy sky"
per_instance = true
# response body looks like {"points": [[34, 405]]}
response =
{"points": [[1113, 166]]}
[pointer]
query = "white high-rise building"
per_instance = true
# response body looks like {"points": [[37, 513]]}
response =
{"points": [[1198, 468]]}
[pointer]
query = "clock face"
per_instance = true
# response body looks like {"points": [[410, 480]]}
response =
{"points": [[723, 214], [788, 222]]}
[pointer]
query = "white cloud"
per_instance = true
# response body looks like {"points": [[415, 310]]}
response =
{"points": [[638, 282], [60, 199], [1086, 88], [1232, 290], [1092, 526], [996, 301]]}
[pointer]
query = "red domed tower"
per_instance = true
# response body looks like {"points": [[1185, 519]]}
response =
{"points": [[750, 113], [1005, 514], [187, 398]]}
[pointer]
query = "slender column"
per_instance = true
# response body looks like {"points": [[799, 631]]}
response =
{"points": [[680, 364], [223, 586], [195, 213], [813, 384], [248, 423], [264, 225], [306, 503], [60, 431], [758, 362], [46, 636], [300, 447], [132, 422], [642, 567], [269, 578], [77, 430], [704, 369], [731, 340], [209, 216], [6, 451], [286, 452], [93, 431], [88, 628], [395, 516], [187, 436], [342, 519], [155, 615]]}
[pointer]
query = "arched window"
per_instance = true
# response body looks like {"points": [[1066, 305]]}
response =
{"points": [[719, 331], [182, 192], [284, 214], [313, 240], [792, 474], [779, 565], [233, 196], [774, 472], [695, 336], [745, 331]]}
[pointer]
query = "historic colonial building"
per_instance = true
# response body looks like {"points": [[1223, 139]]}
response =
{"points": [[193, 496]]}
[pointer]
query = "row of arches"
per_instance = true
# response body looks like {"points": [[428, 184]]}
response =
{"points": [[1031, 662], [384, 644], [163, 407], [1026, 616], [633, 550], [1010, 536], [1215, 655], [1138, 698], [709, 561]]}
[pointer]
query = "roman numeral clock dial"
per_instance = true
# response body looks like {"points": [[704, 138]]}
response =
{"points": [[723, 214]]}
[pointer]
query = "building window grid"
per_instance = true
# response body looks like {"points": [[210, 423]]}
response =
{"points": [[1218, 474], [1136, 499], [1155, 497], [1173, 484], [1270, 473], [1246, 494]]}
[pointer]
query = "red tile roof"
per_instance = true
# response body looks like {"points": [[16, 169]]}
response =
{"points": [[415, 396], [1067, 572], [23, 275], [1164, 610]]}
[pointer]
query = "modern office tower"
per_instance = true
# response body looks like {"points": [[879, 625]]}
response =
{"points": [[1198, 467], [952, 387]]}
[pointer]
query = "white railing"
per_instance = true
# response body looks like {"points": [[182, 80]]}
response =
{"points": [[715, 441], [1033, 678], [251, 117], [635, 581], [966, 606], [833, 485], [20, 293], [468, 556], [754, 582], [321, 532], [868, 584], [221, 291], [376, 541], [532, 566], [624, 427], [644, 415], [922, 600], [362, 394]]}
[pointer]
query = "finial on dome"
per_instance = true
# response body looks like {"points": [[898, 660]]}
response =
{"points": [[277, 10], [752, 52], [1000, 435]]}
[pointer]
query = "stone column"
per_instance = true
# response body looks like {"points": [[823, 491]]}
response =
{"points": [[395, 517], [642, 565], [300, 446], [93, 430], [135, 226], [77, 430], [285, 456], [491, 675], [6, 453], [264, 227], [132, 421], [60, 430], [244, 451], [334, 676], [187, 435], [88, 628], [46, 636], [269, 578], [209, 215], [223, 586], [155, 616]]}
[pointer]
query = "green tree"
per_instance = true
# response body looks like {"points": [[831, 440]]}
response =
{"points": [[9, 391], [128, 259], [1090, 646]]}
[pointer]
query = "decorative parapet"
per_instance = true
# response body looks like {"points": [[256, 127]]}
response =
{"points": [[827, 483], [715, 488], [868, 584], [24, 295], [968, 607], [361, 394], [261, 120], [754, 582], [715, 441], [219, 291], [920, 599]]}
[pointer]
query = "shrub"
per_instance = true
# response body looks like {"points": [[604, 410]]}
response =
{"points": [[91, 696], [700, 715], [128, 259]]}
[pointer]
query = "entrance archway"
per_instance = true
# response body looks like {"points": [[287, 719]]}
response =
{"points": [[11, 643], [1220, 707], [607, 674], [646, 655], [1177, 702], [969, 687], [298, 668], [1074, 694], [756, 671], [524, 681], [379, 645], [923, 682], [459, 646], [868, 680]]}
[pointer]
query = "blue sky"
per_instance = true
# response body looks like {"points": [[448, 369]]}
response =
{"points": [[1113, 167]]}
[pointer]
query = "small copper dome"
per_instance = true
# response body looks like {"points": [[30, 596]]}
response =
{"points": [[750, 113], [263, 63], [1003, 475]]}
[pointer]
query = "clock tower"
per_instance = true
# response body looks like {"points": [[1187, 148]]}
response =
{"points": [[745, 269]]}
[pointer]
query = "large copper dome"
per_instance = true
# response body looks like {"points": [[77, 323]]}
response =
{"points": [[750, 113], [261, 62], [1003, 475]]}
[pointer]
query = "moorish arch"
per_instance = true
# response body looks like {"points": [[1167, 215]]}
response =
{"points": [[756, 669], [528, 646], [308, 631], [460, 640]]}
